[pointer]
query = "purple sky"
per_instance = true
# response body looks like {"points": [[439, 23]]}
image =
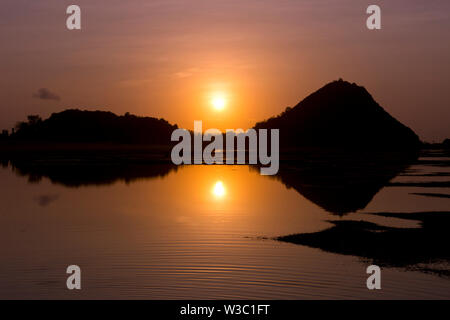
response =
{"points": [[166, 58]]}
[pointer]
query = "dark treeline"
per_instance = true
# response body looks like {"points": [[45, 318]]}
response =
{"points": [[339, 115], [93, 126], [442, 145], [446, 143]]}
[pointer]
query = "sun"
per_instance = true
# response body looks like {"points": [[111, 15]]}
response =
{"points": [[218, 102], [219, 190]]}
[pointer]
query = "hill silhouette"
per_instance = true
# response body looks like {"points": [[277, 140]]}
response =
{"points": [[75, 125], [340, 114]]}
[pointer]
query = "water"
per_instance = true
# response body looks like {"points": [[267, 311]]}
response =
{"points": [[196, 232]]}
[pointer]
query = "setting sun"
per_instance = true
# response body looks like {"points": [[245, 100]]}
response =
{"points": [[218, 102], [219, 190]]}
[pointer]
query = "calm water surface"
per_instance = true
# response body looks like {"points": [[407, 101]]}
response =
{"points": [[198, 232]]}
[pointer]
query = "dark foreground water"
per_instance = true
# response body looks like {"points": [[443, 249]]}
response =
{"points": [[208, 232]]}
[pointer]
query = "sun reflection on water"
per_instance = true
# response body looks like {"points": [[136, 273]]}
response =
{"points": [[219, 190]]}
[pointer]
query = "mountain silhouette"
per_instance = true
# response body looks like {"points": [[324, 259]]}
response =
{"points": [[341, 114], [75, 125]]}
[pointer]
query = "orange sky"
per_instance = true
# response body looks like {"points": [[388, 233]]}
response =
{"points": [[165, 58]]}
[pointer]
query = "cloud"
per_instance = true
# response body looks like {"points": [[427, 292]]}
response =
{"points": [[187, 73], [46, 94], [45, 200]]}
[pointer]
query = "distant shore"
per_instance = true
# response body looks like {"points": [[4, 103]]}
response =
{"points": [[144, 153], [99, 152]]}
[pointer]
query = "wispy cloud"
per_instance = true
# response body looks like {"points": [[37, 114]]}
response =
{"points": [[46, 199], [187, 73], [46, 94]]}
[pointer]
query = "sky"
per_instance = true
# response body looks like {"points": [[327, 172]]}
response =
{"points": [[170, 58]]}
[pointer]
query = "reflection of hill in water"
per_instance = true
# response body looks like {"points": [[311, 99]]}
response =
{"points": [[348, 183], [411, 248], [341, 182], [85, 173]]}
